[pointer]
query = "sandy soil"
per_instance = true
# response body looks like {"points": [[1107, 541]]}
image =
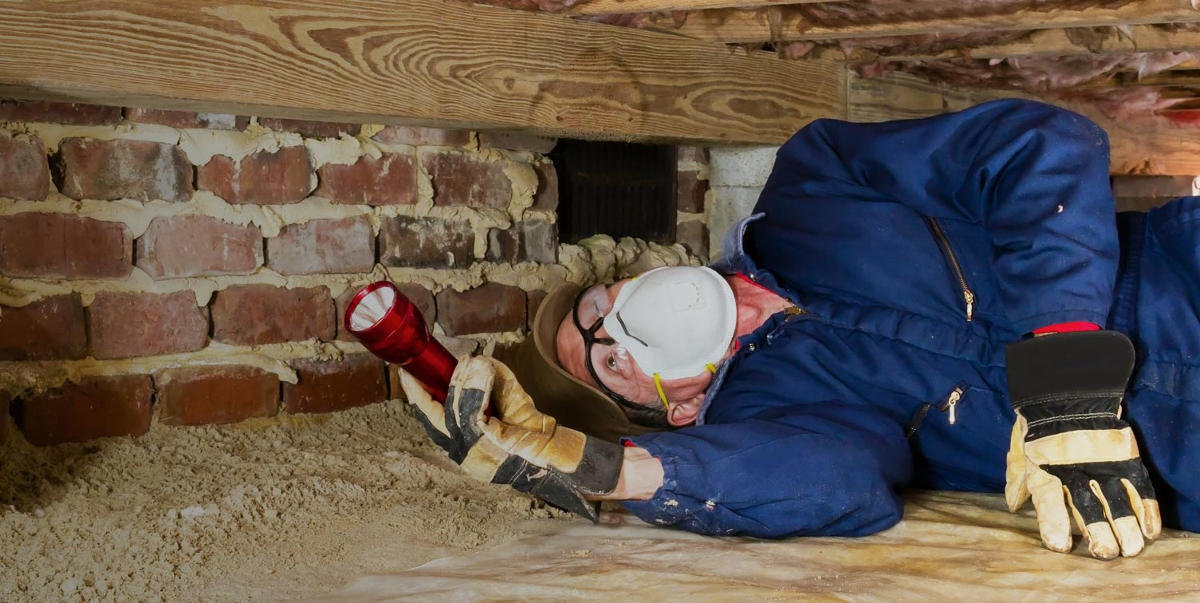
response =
{"points": [[267, 510]]}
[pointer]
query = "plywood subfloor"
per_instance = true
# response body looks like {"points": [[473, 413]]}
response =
{"points": [[951, 547]]}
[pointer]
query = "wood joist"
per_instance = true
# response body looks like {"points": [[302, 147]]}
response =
{"points": [[612, 7], [1148, 145], [788, 24], [450, 64], [421, 62], [1061, 42]]}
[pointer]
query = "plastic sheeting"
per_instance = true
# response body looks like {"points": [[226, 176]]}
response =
{"points": [[950, 547]]}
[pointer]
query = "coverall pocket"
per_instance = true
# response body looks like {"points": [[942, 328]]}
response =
{"points": [[948, 404], [956, 270]]}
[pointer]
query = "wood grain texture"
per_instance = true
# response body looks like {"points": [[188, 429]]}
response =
{"points": [[613, 7], [1143, 146], [419, 62], [732, 25], [906, 96]]}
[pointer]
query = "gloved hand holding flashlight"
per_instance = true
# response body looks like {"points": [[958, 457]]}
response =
{"points": [[517, 445]]}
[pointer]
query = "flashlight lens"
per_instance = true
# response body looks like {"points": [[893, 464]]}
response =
{"points": [[372, 308]]}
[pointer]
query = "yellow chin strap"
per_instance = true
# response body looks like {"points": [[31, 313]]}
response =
{"points": [[662, 395]]}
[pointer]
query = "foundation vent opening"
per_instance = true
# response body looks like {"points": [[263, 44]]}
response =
{"points": [[615, 188]]}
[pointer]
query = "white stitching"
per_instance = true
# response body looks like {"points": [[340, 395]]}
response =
{"points": [[1064, 397], [1093, 415]]}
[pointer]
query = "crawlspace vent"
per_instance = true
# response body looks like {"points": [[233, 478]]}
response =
{"points": [[615, 188]]}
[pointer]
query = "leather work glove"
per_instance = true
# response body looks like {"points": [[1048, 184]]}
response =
{"points": [[517, 445], [1070, 450]]}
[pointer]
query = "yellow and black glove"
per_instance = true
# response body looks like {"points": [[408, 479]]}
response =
{"points": [[517, 445], [1070, 450]]}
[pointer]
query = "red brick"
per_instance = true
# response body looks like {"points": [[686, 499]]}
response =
{"points": [[339, 313], [93, 408], [176, 246], [516, 141], [311, 129], [262, 178], [529, 241], [4, 399], [326, 246], [539, 241], [124, 169], [503, 245], [693, 235], [389, 180], [24, 169], [332, 385], [689, 154], [460, 179], [689, 192], [418, 295], [215, 395], [124, 325], [47, 245], [426, 243], [59, 113], [546, 197], [48, 329], [423, 136], [187, 119], [534, 302], [489, 308], [257, 314]]}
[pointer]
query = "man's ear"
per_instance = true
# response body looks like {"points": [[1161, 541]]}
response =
{"points": [[684, 413]]}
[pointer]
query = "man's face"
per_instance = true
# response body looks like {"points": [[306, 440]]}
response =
{"points": [[612, 365]]}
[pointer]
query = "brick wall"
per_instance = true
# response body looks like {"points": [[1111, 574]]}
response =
{"points": [[193, 268], [691, 189]]}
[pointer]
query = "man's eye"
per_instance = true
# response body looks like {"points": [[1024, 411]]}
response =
{"points": [[611, 362]]}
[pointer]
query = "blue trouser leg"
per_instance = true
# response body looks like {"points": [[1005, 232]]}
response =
{"points": [[1169, 432], [1163, 319]]}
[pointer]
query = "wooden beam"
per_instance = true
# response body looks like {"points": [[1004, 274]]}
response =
{"points": [[614, 7], [906, 96], [1149, 145], [731, 25], [423, 62], [1059, 42]]}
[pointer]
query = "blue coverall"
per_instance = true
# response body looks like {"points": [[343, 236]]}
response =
{"points": [[884, 234]]}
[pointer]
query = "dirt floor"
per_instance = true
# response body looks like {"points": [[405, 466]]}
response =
{"points": [[267, 510]]}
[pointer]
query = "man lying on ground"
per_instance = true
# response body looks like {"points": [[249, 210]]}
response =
{"points": [[949, 303]]}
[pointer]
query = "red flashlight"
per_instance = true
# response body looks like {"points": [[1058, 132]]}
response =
{"points": [[391, 327]]}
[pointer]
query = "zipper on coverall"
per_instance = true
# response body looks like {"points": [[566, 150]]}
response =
{"points": [[949, 406], [951, 259]]}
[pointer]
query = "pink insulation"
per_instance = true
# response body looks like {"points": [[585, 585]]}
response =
{"points": [[1128, 103], [834, 14], [1077, 76], [1039, 74]]}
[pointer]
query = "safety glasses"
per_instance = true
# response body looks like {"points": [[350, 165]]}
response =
{"points": [[640, 414]]}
